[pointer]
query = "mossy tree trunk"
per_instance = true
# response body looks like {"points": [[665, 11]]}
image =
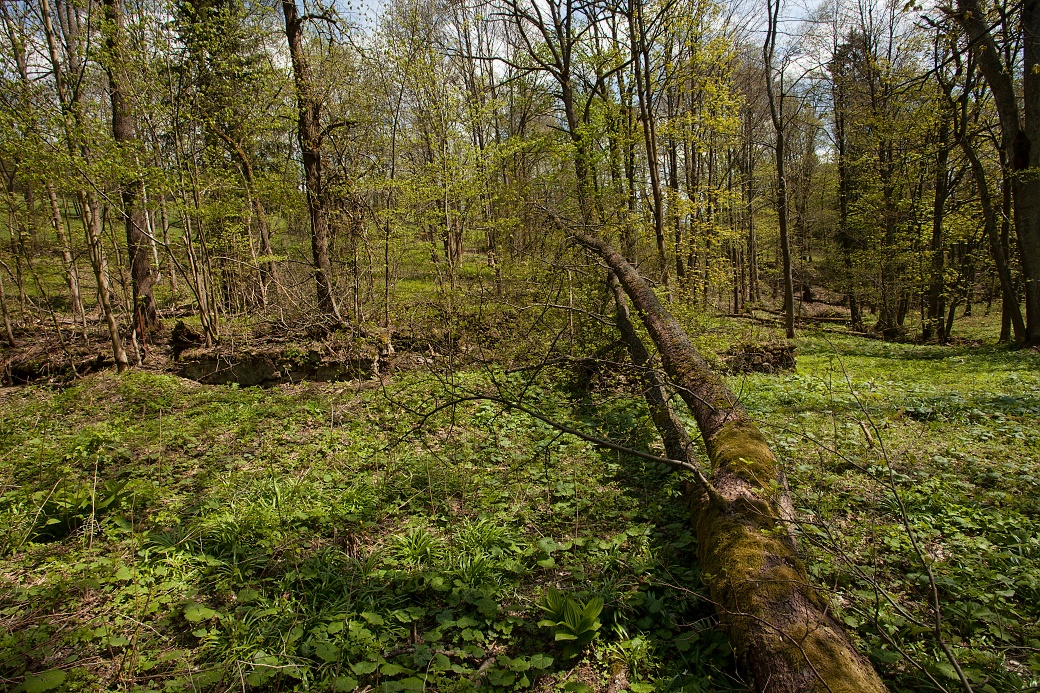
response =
{"points": [[780, 627]]}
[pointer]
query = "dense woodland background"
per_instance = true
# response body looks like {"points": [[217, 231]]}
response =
{"points": [[412, 208], [316, 162]]}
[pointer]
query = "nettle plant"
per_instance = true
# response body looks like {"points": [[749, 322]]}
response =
{"points": [[574, 623]]}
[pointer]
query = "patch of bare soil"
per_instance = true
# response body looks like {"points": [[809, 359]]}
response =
{"points": [[269, 364], [276, 354], [819, 310], [42, 355], [268, 355]]}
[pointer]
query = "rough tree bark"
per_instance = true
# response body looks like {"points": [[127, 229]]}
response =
{"points": [[309, 132], [780, 627], [1019, 130], [142, 280]]}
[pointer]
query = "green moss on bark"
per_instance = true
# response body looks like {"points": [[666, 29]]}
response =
{"points": [[739, 448]]}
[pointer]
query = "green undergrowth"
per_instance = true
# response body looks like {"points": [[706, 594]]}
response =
{"points": [[888, 445], [160, 535]]}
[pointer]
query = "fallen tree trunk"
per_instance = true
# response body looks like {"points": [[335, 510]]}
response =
{"points": [[779, 625], [673, 434]]}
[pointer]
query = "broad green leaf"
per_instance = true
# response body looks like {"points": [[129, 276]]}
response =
{"points": [[593, 607], [197, 612], [344, 684], [373, 618], [327, 652], [45, 681], [541, 661], [411, 684], [364, 667]]}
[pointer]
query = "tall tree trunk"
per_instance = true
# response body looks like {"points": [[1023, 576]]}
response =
{"points": [[752, 240], [641, 67], [92, 221], [845, 239], [887, 321], [776, 111], [71, 274], [142, 280], [171, 263], [70, 98], [267, 266], [675, 209], [1012, 304], [785, 242], [933, 323], [989, 217], [1019, 131], [582, 165], [8, 331], [780, 627], [308, 108]]}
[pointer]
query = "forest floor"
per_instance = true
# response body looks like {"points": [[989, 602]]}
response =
{"points": [[158, 534]]}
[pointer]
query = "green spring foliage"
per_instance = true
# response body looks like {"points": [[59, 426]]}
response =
{"points": [[301, 538], [297, 539]]}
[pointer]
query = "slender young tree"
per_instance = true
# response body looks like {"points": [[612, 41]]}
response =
{"points": [[66, 53], [775, 92], [641, 69]]}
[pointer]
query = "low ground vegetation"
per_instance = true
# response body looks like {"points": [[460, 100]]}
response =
{"points": [[164, 535]]}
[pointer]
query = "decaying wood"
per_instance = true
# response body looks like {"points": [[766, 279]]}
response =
{"points": [[779, 625]]}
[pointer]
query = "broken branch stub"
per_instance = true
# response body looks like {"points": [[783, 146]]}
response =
{"points": [[779, 625]]}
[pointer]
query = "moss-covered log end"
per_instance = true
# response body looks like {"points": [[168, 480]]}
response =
{"points": [[780, 626]]}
